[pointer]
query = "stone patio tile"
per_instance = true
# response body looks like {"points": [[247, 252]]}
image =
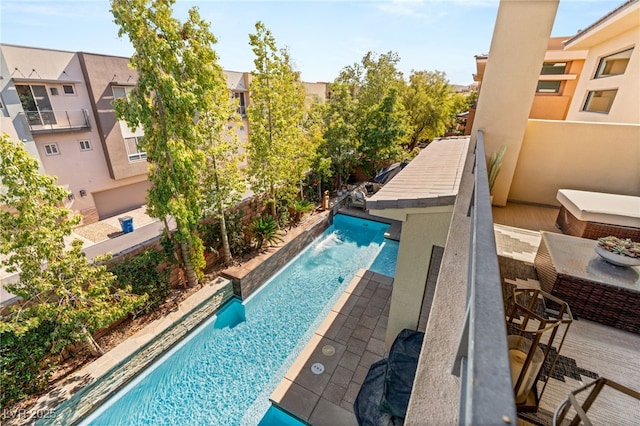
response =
{"points": [[378, 302], [356, 346], [352, 393], [327, 413], [351, 322], [357, 311], [383, 279], [349, 361], [369, 358], [361, 332], [341, 376], [376, 346], [336, 325], [369, 321], [295, 399], [360, 374], [334, 393], [380, 332], [372, 311], [316, 383], [348, 406], [368, 293], [343, 335], [383, 292], [358, 289]]}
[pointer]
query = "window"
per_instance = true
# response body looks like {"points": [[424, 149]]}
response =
{"points": [[68, 89], [51, 149], [548, 87], [54, 91], [599, 100], [134, 151], [85, 146], [121, 91], [553, 68], [242, 110], [615, 64]]}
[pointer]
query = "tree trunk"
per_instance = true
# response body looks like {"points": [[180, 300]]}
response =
{"points": [[225, 239], [190, 272], [94, 347]]}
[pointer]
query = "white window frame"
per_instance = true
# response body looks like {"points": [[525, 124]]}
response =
{"points": [[136, 156], [73, 90], [551, 66], [549, 91], [51, 149], [605, 60], [54, 91], [591, 94], [85, 145], [126, 89]]}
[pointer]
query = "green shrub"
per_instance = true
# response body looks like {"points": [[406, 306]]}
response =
{"points": [[265, 231], [300, 207], [25, 366], [143, 273]]}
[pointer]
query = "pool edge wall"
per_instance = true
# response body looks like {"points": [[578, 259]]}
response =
{"points": [[269, 263]]}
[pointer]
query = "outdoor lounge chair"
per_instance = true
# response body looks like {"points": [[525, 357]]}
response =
{"points": [[357, 199]]}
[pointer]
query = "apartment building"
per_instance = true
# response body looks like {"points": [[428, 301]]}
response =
{"points": [[59, 104], [583, 75]]}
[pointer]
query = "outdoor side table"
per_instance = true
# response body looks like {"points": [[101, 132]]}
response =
{"points": [[569, 268]]}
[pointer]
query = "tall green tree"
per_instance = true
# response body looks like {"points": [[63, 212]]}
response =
{"points": [[384, 131], [277, 157], [61, 291], [177, 73], [224, 180], [429, 102], [375, 83], [341, 143]]}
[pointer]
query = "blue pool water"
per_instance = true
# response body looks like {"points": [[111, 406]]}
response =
{"points": [[224, 372]]}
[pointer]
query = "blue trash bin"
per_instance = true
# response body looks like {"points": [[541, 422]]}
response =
{"points": [[126, 222]]}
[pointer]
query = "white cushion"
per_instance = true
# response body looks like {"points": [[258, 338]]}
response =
{"points": [[614, 209]]}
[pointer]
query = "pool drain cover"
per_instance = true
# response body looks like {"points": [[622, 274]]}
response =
{"points": [[328, 350], [317, 368]]}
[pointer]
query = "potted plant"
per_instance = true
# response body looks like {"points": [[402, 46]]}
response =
{"points": [[619, 251]]}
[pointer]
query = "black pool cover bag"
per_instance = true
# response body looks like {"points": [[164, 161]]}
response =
{"points": [[401, 370], [384, 394], [367, 404]]}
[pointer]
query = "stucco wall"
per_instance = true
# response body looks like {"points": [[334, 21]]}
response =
{"points": [[600, 157], [625, 108]]}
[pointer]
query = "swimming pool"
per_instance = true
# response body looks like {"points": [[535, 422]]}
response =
{"points": [[225, 371]]}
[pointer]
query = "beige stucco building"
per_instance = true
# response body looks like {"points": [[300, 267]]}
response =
{"points": [[59, 104]]}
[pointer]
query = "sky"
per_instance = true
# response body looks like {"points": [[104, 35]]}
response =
{"points": [[322, 36]]}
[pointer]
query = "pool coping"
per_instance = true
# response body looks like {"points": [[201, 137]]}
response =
{"points": [[82, 392]]}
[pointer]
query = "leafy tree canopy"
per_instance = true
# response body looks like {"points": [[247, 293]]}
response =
{"points": [[58, 286], [178, 79]]}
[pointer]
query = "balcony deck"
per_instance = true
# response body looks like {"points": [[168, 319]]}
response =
{"points": [[591, 350]]}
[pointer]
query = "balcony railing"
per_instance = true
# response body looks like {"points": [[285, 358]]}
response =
{"points": [[56, 121], [482, 362]]}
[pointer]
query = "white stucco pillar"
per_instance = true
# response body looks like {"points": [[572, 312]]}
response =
{"points": [[520, 38], [420, 232]]}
